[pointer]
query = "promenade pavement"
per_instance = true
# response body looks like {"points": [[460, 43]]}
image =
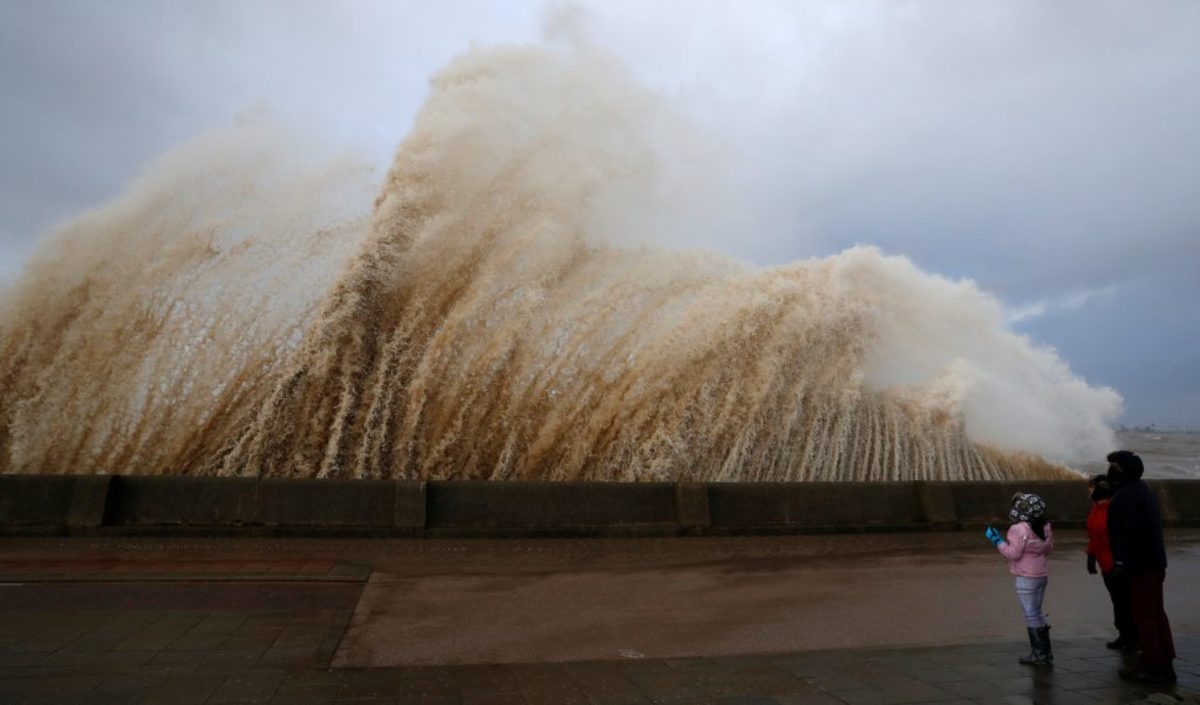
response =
{"points": [[869, 619]]}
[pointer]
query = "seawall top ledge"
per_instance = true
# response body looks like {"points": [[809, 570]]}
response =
{"points": [[97, 504]]}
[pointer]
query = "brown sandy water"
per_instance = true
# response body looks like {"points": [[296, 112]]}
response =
{"points": [[486, 318]]}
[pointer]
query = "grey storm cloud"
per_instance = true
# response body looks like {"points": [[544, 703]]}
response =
{"points": [[1049, 151]]}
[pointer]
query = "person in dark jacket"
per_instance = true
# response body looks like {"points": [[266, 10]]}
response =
{"points": [[1100, 560], [1136, 537]]}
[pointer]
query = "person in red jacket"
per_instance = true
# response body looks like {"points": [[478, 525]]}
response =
{"points": [[1100, 553]]}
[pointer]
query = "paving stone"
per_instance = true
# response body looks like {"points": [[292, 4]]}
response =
{"points": [[268, 655], [1080, 681], [551, 695], [938, 675], [890, 697], [59, 683], [474, 686], [230, 659], [607, 696], [838, 682], [20, 659], [370, 684], [110, 698], [809, 699], [242, 642], [140, 682], [426, 687], [971, 688], [431, 700], [183, 690], [286, 657], [170, 657], [310, 639], [196, 643], [290, 692], [778, 686], [302, 699], [247, 688], [1005, 700], [491, 698], [723, 688], [1064, 697], [170, 669]]}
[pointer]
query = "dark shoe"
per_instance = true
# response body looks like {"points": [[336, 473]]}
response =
{"points": [[1131, 647], [1038, 656], [1124, 641]]}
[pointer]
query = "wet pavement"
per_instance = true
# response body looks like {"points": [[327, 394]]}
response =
{"points": [[862, 619]]}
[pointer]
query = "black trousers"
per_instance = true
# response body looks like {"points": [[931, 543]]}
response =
{"points": [[1118, 592]]}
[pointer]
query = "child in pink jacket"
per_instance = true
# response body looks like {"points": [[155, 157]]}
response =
{"points": [[1027, 546]]}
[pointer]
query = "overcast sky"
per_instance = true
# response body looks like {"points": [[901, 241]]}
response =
{"points": [[1048, 150]]}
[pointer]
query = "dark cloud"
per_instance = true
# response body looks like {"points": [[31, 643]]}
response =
{"points": [[1049, 151], [95, 90]]}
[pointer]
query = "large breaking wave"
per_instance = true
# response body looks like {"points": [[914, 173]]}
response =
{"points": [[245, 310]]}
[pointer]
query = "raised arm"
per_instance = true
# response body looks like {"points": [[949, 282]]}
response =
{"points": [[1014, 546]]}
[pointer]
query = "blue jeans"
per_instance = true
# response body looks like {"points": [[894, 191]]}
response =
{"points": [[1030, 593]]}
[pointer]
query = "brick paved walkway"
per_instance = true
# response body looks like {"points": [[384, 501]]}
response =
{"points": [[191, 622]]}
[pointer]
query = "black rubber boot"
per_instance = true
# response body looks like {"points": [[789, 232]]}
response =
{"points": [[1044, 638], [1038, 655]]}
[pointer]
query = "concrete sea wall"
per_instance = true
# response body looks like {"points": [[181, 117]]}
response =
{"points": [[91, 504]]}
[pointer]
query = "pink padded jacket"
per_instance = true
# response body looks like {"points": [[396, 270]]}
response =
{"points": [[1026, 553]]}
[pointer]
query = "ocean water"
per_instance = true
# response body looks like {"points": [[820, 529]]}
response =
{"points": [[1166, 454]]}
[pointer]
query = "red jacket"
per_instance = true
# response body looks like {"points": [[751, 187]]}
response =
{"points": [[1097, 526]]}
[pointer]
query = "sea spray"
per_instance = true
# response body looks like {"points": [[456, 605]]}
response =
{"points": [[140, 335], [232, 315]]}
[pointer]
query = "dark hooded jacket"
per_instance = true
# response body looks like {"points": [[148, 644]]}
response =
{"points": [[1135, 529]]}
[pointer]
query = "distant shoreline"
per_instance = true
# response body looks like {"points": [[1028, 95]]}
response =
{"points": [[1169, 453]]}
